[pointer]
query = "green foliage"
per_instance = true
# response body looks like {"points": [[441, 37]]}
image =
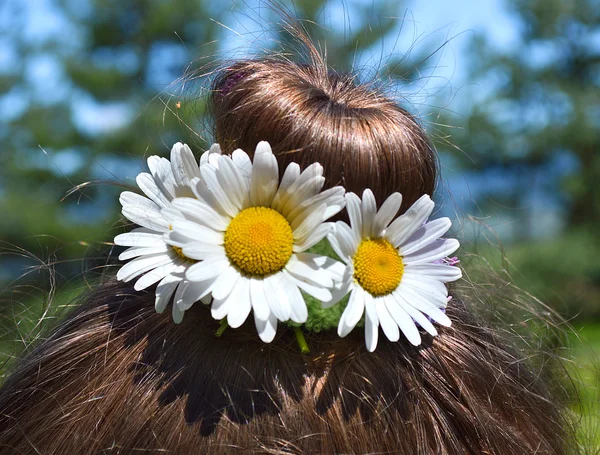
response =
{"points": [[563, 272], [545, 100], [539, 109], [585, 368]]}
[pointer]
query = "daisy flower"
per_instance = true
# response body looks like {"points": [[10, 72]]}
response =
{"points": [[391, 270], [153, 259], [249, 232]]}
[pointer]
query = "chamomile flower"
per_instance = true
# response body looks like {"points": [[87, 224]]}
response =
{"points": [[249, 232], [391, 270], [153, 260]]}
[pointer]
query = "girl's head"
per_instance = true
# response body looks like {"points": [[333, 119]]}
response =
{"points": [[116, 377]]}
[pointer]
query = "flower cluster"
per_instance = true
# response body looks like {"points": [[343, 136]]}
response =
{"points": [[230, 233]]}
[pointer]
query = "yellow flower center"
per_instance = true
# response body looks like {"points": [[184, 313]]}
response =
{"points": [[259, 241], [378, 267], [179, 252]]}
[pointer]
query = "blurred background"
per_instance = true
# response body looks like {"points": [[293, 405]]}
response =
{"points": [[508, 89]]}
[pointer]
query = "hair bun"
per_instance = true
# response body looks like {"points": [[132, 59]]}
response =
{"points": [[309, 114]]}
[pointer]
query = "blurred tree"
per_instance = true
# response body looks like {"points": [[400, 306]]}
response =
{"points": [[536, 117], [545, 100], [80, 102]]}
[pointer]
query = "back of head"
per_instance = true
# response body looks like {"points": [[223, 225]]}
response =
{"points": [[116, 377]]}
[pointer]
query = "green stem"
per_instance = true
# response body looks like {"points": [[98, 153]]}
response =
{"points": [[302, 344], [222, 327]]}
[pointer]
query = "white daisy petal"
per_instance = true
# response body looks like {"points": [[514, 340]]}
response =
{"points": [[199, 251], [161, 171], [353, 207], [140, 237], [208, 156], [220, 308], [298, 310], [201, 213], [205, 270], [205, 196], [177, 314], [310, 268], [133, 252], [209, 174], [129, 198], [164, 291], [225, 283], [404, 320], [371, 323], [341, 288], [265, 176], [184, 165], [333, 198], [387, 323], [432, 296], [291, 174], [441, 272], [147, 184], [301, 193], [405, 225], [435, 297], [244, 165], [346, 241], [266, 329], [310, 223], [426, 284], [436, 250], [333, 241], [239, 299], [425, 235], [198, 232], [155, 275], [141, 265], [308, 184], [423, 304], [145, 218], [353, 311], [277, 297], [296, 179], [193, 291], [368, 211], [260, 305], [386, 213], [171, 215], [230, 177], [318, 292], [417, 316], [312, 238]]}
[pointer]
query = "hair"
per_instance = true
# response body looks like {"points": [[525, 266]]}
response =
{"points": [[116, 377], [309, 114]]}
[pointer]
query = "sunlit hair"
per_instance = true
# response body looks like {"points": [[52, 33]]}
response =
{"points": [[116, 377], [309, 114]]}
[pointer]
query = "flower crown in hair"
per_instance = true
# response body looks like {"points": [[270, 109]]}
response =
{"points": [[229, 233]]}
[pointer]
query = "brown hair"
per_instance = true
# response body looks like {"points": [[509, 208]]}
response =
{"points": [[311, 114], [115, 377]]}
